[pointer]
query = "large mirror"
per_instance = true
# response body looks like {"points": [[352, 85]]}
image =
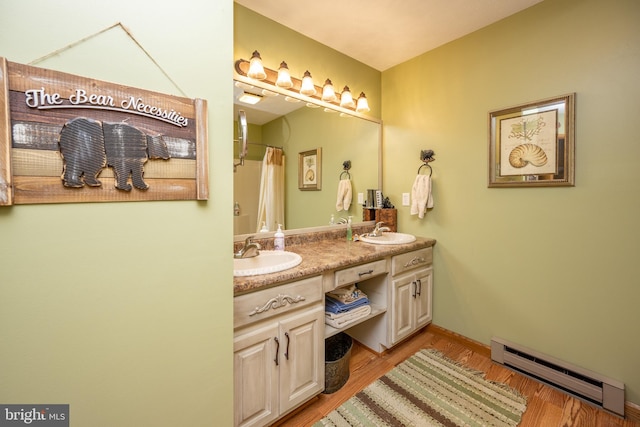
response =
{"points": [[301, 127]]}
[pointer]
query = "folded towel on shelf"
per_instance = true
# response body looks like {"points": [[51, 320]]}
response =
{"points": [[347, 294], [421, 198], [344, 195], [336, 307], [341, 320]]}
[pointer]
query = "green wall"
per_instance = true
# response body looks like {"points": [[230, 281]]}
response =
{"points": [[549, 268], [123, 310]]}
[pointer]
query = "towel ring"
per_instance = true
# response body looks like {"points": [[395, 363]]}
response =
{"points": [[427, 165]]}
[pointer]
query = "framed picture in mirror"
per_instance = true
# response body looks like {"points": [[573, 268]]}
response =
{"points": [[310, 169], [532, 145]]}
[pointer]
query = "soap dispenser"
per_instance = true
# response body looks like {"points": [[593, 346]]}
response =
{"points": [[349, 231], [278, 242]]}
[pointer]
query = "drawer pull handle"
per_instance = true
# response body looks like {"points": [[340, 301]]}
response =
{"points": [[414, 261], [277, 302], [277, 350], [363, 273], [286, 352]]}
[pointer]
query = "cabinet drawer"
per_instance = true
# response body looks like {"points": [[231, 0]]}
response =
{"points": [[359, 273], [411, 260], [271, 302]]}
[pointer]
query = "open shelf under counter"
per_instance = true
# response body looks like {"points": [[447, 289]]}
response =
{"points": [[376, 310]]}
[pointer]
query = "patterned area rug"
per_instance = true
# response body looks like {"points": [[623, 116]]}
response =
{"points": [[429, 389]]}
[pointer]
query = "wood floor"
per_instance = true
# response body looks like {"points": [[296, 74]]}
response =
{"points": [[545, 406]]}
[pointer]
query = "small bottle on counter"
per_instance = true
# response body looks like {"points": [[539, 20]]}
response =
{"points": [[236, 209], [278, 242], [349, 231]]}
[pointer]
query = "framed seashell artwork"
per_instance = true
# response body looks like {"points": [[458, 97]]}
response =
{"points": [[533, 144], [310, 170]]}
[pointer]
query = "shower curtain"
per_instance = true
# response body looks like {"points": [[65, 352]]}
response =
{"points": [[271, 202]]}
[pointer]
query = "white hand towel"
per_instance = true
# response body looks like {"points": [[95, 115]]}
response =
{"points": [[344, 195], [421, 198]]}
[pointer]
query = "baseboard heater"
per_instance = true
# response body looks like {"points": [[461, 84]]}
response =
{"points": [[589, 386]]}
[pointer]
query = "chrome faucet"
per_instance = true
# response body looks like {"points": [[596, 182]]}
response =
{"points": [[342, 220], [250, 249], [377, 232]]}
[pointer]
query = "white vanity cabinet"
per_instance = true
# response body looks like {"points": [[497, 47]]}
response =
{"points": [[411, 292], [278, 350], [279, 322]]}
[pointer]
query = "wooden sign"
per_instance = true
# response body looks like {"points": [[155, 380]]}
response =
{"points": [[67, 138]]}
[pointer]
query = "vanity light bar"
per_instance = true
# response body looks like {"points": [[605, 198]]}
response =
{"points": [[242, 67]]}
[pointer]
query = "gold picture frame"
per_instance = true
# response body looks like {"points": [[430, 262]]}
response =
{"points": [[310, 169], [533, 145]]}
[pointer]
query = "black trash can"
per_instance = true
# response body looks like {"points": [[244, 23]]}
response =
{"points": [[337, 353]]}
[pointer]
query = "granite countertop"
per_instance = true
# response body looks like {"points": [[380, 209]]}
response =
{"points": [[325, 255]]}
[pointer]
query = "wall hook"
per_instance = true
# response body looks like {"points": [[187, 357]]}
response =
{"points": [[346, 165], [427, 157]]}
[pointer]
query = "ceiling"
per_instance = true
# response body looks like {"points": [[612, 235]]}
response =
{"points": [[384, 33]]}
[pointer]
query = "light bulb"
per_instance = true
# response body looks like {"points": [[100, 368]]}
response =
{"points": [[256, 70], [284, 78], [362, 105], [346, 100], [328, 94], [307, 88]]}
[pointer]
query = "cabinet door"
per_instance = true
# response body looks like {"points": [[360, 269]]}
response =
{"points": [[301, 357], [423, 301], [256, 376], [402, 303]]}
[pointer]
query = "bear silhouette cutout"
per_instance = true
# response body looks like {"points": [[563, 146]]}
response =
{"points": [[87, 146]]}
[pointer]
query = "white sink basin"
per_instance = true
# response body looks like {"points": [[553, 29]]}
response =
{"points": [[389, 238], [266, 262]]}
